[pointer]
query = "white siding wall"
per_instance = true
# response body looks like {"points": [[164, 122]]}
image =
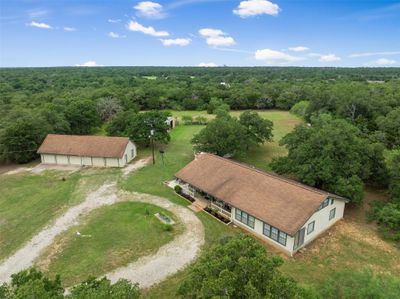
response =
{"points": [[61, 159], [75, 160], [112, 162], [130, 153], [258, 230], [49, 159], [322, 221]]}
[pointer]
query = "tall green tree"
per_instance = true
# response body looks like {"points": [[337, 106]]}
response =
{"points": [[82, 116], [122, 122], [258, 129], [390, 126], [152, 121], [330, 154], [32, 283], [223, 136], [103, 289], [239, 267], [393, 164], [21, 138], [108, 107]]}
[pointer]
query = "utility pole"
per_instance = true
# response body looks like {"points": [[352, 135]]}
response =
{"points": [[152, 145]]}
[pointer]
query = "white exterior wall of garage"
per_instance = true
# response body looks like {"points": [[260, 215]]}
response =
{"points": [[129, 154]]}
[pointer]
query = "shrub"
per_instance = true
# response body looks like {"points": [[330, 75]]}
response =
{"points": [[178, 189], [388, 218], [300, 108], [168, 227], [187, 120], [357, 285], [200, 120]]}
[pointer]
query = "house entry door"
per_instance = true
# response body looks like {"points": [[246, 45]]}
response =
{"points": [[299, 238]]}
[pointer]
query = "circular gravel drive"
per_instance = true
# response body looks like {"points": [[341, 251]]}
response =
{"points": [[171, 257], [147, 270]]}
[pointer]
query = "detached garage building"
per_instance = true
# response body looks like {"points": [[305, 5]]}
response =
{"points": [[99, 151]]}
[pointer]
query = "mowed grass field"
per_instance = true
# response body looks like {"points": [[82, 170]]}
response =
{"points": [[110, 237], [260, 156], [28, 202]]}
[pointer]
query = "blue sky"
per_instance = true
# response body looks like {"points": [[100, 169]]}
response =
{"points": [[199, 32]]}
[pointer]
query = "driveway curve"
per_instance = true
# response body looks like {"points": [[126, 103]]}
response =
{"points": [[147, 270]]}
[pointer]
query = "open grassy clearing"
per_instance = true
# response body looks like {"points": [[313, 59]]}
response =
{"points": [[260, 156], [28, 201], [111, 237]]}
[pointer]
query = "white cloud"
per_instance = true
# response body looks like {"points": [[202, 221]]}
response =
{"points": [[39, 25], [176, 42], [89, 63], [216, 37], [135, 26], [383, 61], [115, 35], [69, 29], [329, 58], [275, 57], [299, 49], [114, 20], [210, 32], [38, 13], [251, 8], [207, 64], [149, 9], [374, 53]]}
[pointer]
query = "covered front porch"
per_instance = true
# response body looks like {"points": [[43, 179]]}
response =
{"points": [[203, 200]]}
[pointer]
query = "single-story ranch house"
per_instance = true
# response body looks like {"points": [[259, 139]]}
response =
{"points": [[286, 213], [100, 151]]}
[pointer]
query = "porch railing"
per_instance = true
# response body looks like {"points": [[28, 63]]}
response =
{"points": [[220, 210]]}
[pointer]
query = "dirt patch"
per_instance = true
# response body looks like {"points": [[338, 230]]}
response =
{"points": [[135, 166]]}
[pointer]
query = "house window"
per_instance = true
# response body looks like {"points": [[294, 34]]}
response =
{"points": [[332, 201], [310, 227], [274, 234], [282, 238], [244, 218], [132, 153], [332, 214], [324, 204]]}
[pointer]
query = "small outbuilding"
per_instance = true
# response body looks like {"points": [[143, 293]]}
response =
{"points": [[171, 121], [99, 151]]}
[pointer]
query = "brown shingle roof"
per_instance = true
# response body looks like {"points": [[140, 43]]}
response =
{"points": [[89, 146], [278, 201]]}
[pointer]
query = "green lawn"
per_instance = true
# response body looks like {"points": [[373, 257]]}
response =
{"points": [[261, 156], [29, 201], [112, 237]]}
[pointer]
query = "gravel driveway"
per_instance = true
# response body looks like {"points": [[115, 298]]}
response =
{"points": [[148, 270]]}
